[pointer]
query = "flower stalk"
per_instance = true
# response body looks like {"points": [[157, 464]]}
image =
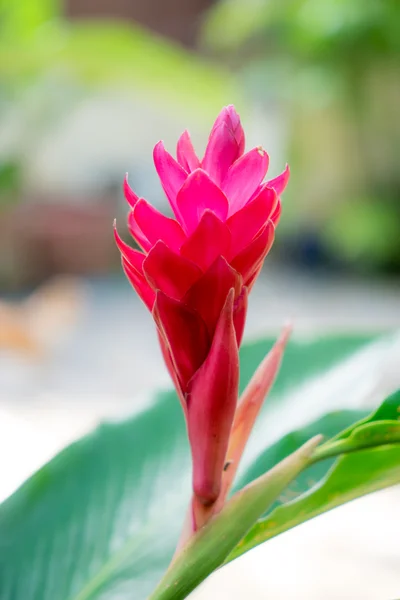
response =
{"points": [[194, 273]]}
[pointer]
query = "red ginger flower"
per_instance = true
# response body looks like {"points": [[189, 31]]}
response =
{"points": [[195, 273]]}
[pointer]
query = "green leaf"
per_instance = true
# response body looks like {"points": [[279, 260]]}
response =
{"points": [[102, 519], [329, 425], [351, 476], [389, 410]]}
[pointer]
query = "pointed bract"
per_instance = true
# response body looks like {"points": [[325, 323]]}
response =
{"points": [[225, 144], [210, 239], [185, 153], [131, 256], [249, 260], [245, 224], [198, 194], [155, 226], [171, 273], [249, 407], [170, 366], [137, 233], [186, 336], [240, 313], [171, 174], [129, 194], [139, 283], [229, 117], [279, 183], [220, 278], [244, 178], [276, 215], [211, 403]]}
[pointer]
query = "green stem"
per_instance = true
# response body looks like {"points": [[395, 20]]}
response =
{"points": [[350, 444], [207, 550]]}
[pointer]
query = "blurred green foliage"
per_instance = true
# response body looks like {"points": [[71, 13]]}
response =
{"points": [[332, 68], [330, 30], [363, 232], [10, 176], [48, 64], [35, 38]]}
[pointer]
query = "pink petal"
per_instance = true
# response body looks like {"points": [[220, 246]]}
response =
{"points": [[239, 315], [280, 182], [155, 226], [211, 400], [244, 177], [133, 227], [247, 222], [250, 259], [170, 365], [133, 257], [251, 280], [185, 153], [196, 195], [137, 233], [132, 263], [269, 195], [129, 194], [230, 117], [221, 152], [139, 283], [215, 284], [169, 272], [276, 215], [186, 335], [210, 239], [171, 174], [225, 144]]}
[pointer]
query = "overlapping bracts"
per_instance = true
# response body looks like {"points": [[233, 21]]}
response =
{"points": [[195, 272]]}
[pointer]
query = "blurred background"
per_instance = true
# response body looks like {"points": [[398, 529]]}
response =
{"points": [[87, 87]]}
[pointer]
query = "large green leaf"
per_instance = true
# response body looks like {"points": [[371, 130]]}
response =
{"points": [[330, 425], [353, 475], [101, 520], [104, 513]]}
